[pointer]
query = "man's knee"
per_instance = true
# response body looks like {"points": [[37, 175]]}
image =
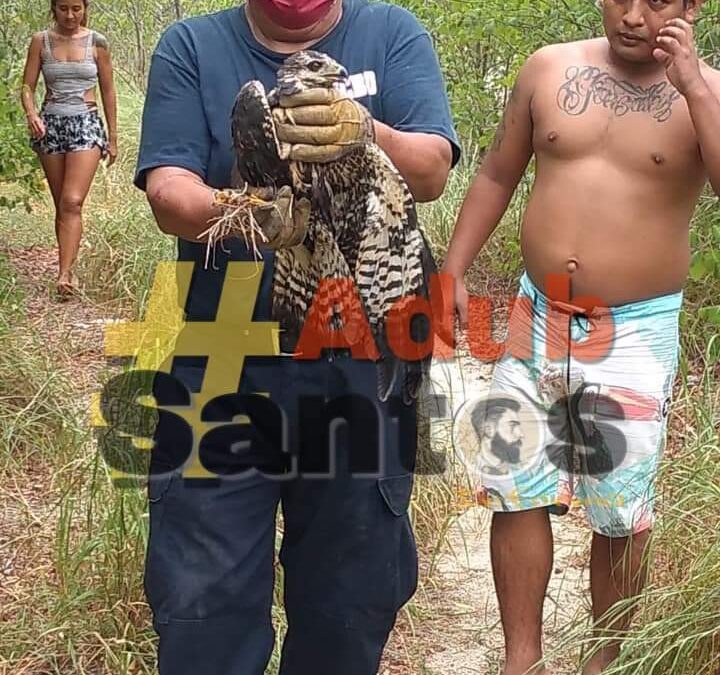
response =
{"points": [[232, 643], [361, 587], [210, 549], [318, 644]]}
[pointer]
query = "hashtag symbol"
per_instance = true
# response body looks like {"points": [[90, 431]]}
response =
{"points": [[226, 341]]}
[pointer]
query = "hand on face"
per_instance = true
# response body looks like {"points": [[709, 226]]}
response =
{"points": [[676, 51]]}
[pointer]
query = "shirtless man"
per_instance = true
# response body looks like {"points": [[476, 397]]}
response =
{"points": [[626, 131]]}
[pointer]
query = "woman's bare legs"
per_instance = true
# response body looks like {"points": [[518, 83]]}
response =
{"points": [[54, 168], [78, 171]]}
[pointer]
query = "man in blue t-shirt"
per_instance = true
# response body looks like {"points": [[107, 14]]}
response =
{"points": [[348, 551]]}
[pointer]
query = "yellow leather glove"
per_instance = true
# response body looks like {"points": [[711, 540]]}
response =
{"points": [[321, 125], [282, 219], [285, 221]]}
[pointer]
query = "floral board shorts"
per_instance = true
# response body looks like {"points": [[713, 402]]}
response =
{"points": [[71, 133], [577, 409]]}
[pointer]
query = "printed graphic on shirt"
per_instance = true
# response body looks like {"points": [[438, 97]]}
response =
{"points": [[360, 85]]}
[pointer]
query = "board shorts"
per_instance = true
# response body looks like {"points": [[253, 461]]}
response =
{"points": [[577, 409], [71, 133]]}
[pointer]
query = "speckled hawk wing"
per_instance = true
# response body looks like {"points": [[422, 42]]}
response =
{"points": [[371, 213], [363, 226], [257, 151]]}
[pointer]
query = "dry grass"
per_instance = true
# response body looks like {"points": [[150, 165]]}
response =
{"points": [[72, 545]]}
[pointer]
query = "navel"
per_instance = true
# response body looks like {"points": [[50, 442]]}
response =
{"points": [[658, 158], [572, 265], [552, 136]]}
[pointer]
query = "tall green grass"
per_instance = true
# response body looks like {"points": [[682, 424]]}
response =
{"points": [[123, 243], [34, 425], [85, 612], [676, 623]]}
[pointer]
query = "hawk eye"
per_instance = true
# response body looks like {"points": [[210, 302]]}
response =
{"points": [[314, 66]]}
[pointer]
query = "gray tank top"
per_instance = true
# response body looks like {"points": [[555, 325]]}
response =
{"points": [[67, 81]]}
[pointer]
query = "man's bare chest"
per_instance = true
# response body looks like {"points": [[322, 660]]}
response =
{"points": [[584, 111]]}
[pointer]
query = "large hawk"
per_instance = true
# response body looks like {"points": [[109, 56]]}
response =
{"points": [[362, 226]]}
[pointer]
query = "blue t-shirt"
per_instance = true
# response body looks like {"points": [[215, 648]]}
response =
{"points": [[197, 69], [199, 66]]}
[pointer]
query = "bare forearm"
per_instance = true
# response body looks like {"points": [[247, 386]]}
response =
{"points": [[110, 106], [422, 159], [27, 98], [480, 213], [181, 202], [704, 109]]}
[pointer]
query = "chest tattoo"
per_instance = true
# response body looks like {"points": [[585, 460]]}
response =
{"points": [[588, 84]]}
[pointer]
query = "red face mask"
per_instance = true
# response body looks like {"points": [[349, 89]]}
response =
{"points": [[294, 14]]}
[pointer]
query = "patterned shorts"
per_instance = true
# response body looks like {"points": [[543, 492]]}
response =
{"points": [[70, 133], [577, 409]]}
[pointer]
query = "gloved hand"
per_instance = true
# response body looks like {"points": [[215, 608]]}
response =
{"points": [[321, 125], [285, 221], [278, 215]]}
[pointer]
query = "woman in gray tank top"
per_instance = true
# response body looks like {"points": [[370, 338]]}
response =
{"points": [[68, 133]]}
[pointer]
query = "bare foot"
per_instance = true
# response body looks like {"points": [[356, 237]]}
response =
{"points": [[597, 664], [67, 287]]}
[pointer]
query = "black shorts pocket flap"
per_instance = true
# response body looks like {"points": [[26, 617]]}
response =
{"points": [[396, 491]]}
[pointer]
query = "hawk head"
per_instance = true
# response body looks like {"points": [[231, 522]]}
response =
{"points": [[309, 70]]}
